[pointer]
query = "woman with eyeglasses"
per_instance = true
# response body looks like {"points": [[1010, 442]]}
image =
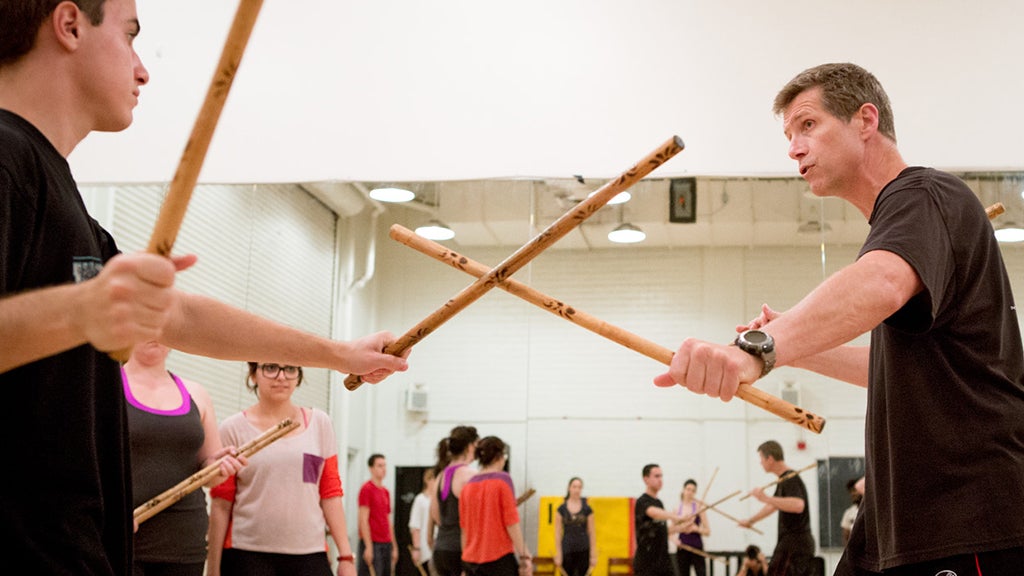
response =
{"points": [[271, 517], [492, 537]]}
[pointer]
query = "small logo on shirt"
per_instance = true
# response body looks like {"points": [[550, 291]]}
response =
{"points": [[945, 573], [85, 267]]}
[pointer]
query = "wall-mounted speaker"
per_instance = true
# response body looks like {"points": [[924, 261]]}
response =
{"points": [[790, 393], [416, 399]]}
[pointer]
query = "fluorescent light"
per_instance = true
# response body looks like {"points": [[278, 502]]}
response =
{"points": [[620, 198], [391, 194], [1010, 232], [435, 230], [627, 234]]}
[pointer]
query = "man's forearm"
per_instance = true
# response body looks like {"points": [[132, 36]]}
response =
{"points": [[846, 363], [207, 327], [834, 313], [36, 325]]}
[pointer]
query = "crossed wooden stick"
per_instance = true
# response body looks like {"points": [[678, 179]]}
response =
{"points": [[654, 351], [559, 228]]}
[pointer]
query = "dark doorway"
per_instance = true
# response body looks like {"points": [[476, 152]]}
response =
{"points": [[408, 483]]}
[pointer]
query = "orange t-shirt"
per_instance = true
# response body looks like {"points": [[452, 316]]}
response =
{"points": [[487, 507]]}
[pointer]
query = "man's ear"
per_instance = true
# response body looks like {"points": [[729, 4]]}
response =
{"points": [[868, 117], [66, 23]]}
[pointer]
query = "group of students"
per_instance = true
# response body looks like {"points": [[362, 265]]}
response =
{"points": [[475, 512], [686, 527]]}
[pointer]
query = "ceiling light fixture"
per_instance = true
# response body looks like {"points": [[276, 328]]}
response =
{"points": [[391, 194], [1009, 232], [813, 227], [626, 233], [620, 198], [435, 230]]}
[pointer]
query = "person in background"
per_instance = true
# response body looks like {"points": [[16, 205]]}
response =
{"points": [[270, 519], [653, 526], [850, 515], [454, 454], [691, 532], [173, 433], [376, 532], [794, 552], [492, 537], [754, 564], [420, 524], [575, 536]]}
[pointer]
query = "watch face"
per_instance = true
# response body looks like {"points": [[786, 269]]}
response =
{"points": [[755, 337]]}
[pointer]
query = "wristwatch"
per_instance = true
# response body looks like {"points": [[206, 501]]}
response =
{"points": [[760, 344]]}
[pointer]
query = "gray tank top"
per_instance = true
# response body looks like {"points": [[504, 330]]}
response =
{"points": [[164, 448]]}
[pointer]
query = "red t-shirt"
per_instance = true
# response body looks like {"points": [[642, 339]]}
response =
{"points": [[378, 500], [487, 507]]}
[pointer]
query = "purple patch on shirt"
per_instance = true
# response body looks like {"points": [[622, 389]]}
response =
{"points": [[311, 466]]}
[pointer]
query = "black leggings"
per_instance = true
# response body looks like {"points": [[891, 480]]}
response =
{"points": [[448, 562], [576, 563], [504, 566], [685, 559], [237, 562]]}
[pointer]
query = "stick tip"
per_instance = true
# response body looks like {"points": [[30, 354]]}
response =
{"points": [[679, 142]]}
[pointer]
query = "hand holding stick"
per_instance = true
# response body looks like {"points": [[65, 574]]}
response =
{"points": [[658, 353], [565, 224], [783, 478], [418, 566], [172, 213], [154, 505]]}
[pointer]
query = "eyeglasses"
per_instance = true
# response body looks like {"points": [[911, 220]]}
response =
{"points": [[273, 370]]}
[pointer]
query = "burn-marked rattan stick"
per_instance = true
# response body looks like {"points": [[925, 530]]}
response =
{"points": [[783, 478], [565, 224], [172, 213], [168, 497], [746, 392]]}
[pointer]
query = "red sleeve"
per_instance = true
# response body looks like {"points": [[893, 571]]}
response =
{"points": [[365, 498], [330, 480], [225, 490]]}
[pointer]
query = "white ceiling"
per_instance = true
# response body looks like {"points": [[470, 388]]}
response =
{"points": [[729, 211]]}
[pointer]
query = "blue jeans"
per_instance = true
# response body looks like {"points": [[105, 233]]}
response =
{"points": [[381, 559]]}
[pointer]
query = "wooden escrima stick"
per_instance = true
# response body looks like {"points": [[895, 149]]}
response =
{"points": [[661, 354], [707, 487], [783, 478], [736, 520], [168, 497], [418, 566], [565, 224], [172, 213], [700, 552]]}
